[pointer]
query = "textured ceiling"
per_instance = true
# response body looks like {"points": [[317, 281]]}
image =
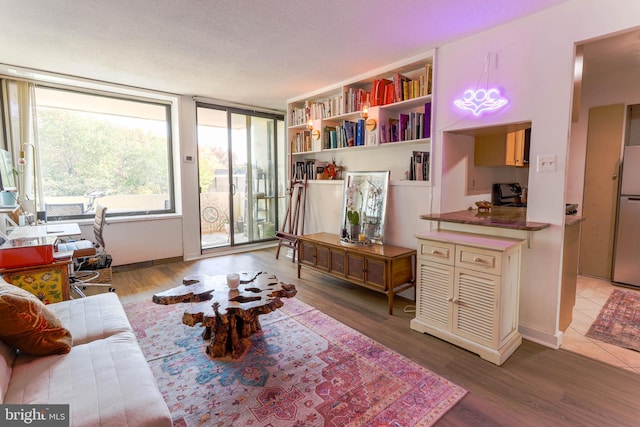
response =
{"points": [[250, 52]]}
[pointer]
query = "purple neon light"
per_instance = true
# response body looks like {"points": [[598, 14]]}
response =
{"points": [[481, 100]]}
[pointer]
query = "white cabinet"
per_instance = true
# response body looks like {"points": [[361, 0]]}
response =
{"points": [[467, 291]]}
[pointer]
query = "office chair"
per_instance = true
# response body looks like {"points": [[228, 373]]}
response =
{"points": [[84, 253]]}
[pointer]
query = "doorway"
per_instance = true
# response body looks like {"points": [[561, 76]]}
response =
{"points": [[239, 175], [600, 197]]}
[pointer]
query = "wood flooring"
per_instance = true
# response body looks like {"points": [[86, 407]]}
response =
{"points": [[536, 386]]}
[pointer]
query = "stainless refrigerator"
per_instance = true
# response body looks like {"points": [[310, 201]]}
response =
{"points": [[626, 266]]}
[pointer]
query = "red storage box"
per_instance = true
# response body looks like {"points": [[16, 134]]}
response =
{"points": [[23, 253]]}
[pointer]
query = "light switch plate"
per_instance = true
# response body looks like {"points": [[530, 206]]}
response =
{"points": [[547, 163]]}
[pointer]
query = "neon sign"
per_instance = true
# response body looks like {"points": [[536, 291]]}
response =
{"points": [[481, 100]]}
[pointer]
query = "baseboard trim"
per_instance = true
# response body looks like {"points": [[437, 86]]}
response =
{"points": [[145, 264], [546, 339]]}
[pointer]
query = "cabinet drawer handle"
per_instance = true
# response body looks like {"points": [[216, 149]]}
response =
{"points": [[437, 252], [479, 260]]}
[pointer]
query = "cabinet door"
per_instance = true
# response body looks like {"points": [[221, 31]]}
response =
{"points": [[515, 148], [434, 293], [475, 311], [306, 253], [337, 261], [322, 257], [355, 267], [375, 272]]}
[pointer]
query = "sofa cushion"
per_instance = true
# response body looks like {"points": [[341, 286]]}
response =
{"points": [[106, 382], [97, 316], [7, 357], [28, 325]]}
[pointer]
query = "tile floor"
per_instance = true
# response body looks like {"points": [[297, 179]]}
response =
{"points": [[591, 295]]}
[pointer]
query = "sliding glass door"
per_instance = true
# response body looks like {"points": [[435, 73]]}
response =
{"points": [[239, 174]]}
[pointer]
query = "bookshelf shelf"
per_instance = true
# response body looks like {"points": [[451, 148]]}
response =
{"points": [[400, 98]]}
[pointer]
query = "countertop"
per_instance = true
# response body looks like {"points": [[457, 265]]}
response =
{"points": [[513, 218]]}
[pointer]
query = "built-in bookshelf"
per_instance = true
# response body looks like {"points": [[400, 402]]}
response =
{"points": [[330, 127]]}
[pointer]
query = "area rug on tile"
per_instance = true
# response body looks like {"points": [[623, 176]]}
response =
{"points": [[303, 369], [618, 322]]}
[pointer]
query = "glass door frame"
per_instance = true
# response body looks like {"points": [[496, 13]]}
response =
{"points": [[241, 196]]}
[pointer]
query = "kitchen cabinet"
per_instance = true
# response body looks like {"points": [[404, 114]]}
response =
{"points": [[382, 268], [505, 149], [467, 291]]}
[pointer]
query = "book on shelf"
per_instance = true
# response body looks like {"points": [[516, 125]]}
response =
{"points": [[326, 137], [301, 142], [360, 132], [379, 91], [350, 133], [389, 131], [398, 84], [427, 121], [403, 127], [419, 166], [428, 71]]}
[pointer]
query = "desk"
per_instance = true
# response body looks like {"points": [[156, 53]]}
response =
{"points": [[47, 230], [47, 280]]}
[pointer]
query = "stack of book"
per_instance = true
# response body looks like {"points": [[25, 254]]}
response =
{"points": [[407, 126], [419, 166], [354, 99], [301, 142]]}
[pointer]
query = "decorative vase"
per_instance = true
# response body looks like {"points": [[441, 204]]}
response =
{"points": [[354, 231]]}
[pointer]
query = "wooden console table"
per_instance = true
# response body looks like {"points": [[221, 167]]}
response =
{"points": [[382, 268]]}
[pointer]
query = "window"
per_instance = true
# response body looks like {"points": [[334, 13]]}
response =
{"points": [[95, 148]]}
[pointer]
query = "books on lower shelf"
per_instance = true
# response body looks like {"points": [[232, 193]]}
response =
{"points": [[419, 166], [310, 169]]}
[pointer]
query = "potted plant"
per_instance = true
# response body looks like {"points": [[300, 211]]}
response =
{"points": [[353, 217]]}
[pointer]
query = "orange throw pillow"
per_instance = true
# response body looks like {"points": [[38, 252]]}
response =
{"points": [[27, 324]]}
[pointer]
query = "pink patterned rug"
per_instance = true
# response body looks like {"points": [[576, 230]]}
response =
{"points": [[303, 369], [618, 322]]}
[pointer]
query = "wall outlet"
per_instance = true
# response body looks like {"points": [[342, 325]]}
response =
{"points": [[547, 163]]}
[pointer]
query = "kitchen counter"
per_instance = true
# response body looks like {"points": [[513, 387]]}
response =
{"points": [[512, 218], [570, 220]]}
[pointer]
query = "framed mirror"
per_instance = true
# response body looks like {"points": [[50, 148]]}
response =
{"points": [[364, 205]]}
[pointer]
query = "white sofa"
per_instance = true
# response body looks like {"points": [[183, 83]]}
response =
{"points": [[104, 377]]}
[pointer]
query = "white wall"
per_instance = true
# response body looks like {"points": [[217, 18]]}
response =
{"points": [[532, 60]]}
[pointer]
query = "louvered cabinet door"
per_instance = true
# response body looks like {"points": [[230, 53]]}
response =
{"points": [[475, 306], [434, 293]]}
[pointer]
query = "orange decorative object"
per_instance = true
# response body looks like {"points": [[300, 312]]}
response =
{"points": [[25, 255], [331, 171]]}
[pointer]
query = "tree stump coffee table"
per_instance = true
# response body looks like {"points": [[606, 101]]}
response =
{"points": [[228, 316]]}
